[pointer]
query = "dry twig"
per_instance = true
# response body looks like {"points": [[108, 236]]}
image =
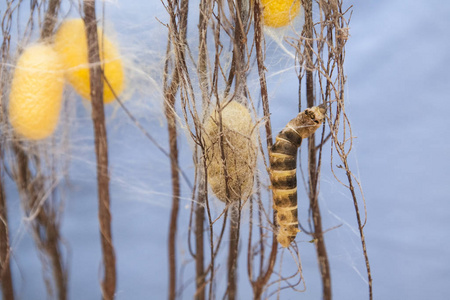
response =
{"points": [[177, 41], [101, 150]]}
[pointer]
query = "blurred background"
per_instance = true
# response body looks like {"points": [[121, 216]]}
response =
{"points": [[396, 99]]}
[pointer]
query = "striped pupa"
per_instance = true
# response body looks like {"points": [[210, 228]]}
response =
{"points": [[283, 169]]}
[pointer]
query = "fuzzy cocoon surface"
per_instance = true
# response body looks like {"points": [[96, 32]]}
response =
{"points": [[279, 13], [239, 152], [36, 92], [71, 44]]}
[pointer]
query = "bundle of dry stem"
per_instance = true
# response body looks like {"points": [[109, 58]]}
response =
{"points": [[34, 168], [206, 90], [320, 51]]}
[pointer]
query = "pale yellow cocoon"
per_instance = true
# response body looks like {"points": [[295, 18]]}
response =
{"points": [[279, 13], [239, 152], [71, 44], [36, 92]]}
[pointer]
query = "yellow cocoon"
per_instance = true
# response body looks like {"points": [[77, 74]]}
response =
{"points": [[239, 148], [36, 92], [279, 13], [71, 44]]}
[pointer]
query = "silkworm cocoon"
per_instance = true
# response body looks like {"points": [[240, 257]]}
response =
{"points": [[71, 44], [230, 172], [279, 13], [36, 92]]}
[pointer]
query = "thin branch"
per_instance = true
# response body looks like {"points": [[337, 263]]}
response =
{"points": [[322, 256], [259, 284], [37, 204], [101, 150], [50, 19], [235, 220], [360, 227], [177, 39], [5, 269], [205, 8]]}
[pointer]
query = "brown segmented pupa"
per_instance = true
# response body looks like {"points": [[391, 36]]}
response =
{"points": [[283, 169]]}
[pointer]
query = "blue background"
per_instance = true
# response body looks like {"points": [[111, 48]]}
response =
{"points": [[397, 100]]}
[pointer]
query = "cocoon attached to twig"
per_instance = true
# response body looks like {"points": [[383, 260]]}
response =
{"points": [[71, 45], [231, 150], [36, 92], [279, 13]]}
